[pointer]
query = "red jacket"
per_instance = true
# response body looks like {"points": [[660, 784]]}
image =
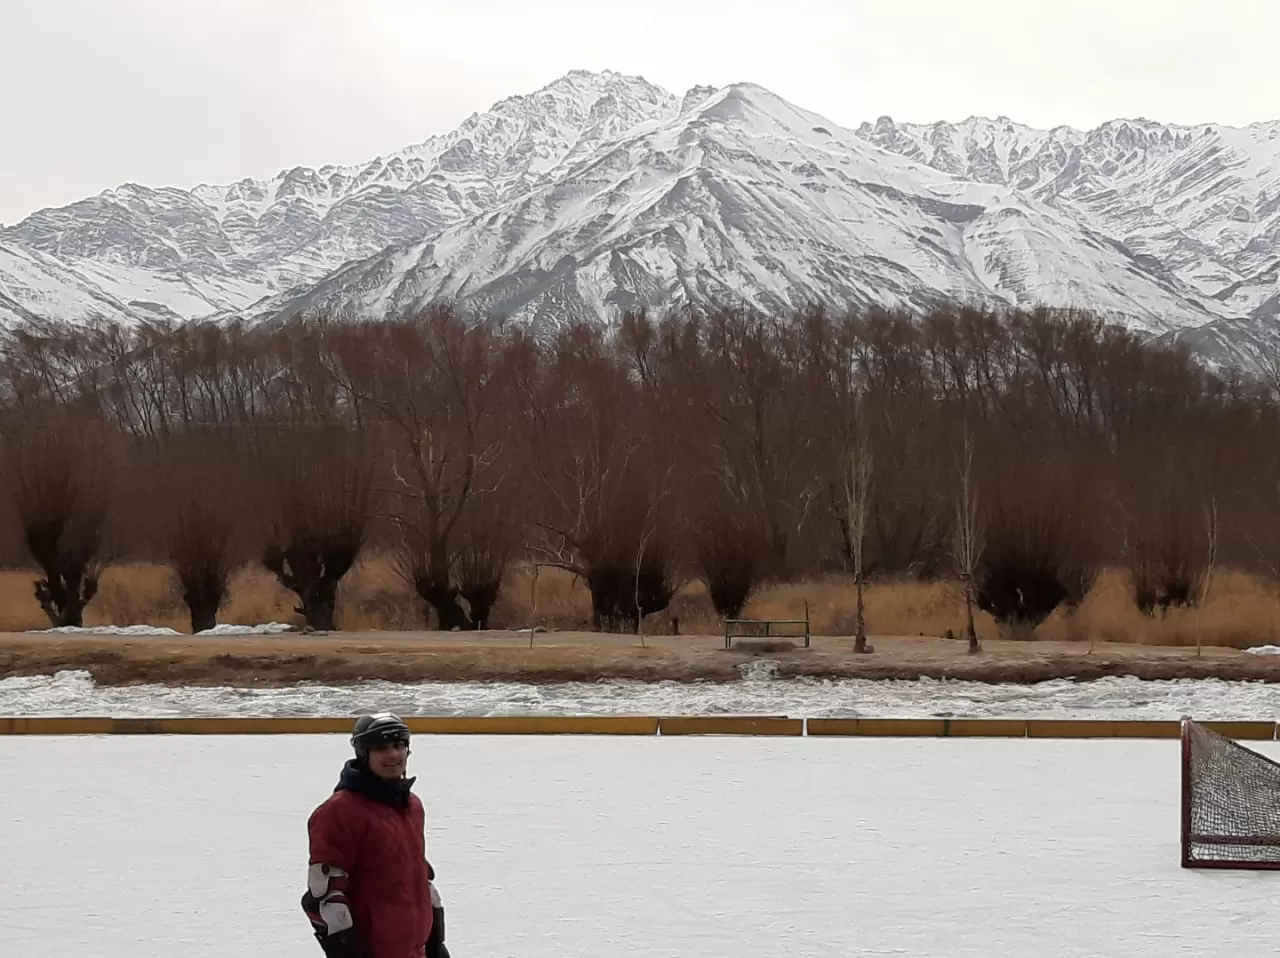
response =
{"points": [[368, 876]]}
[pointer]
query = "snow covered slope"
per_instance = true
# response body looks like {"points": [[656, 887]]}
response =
{"points": [[1202, 203], [217, 249], [744, 197], [34, 284], [602, 191]]}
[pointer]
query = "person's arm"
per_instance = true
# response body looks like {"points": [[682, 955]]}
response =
{"points": [[330, 865]]}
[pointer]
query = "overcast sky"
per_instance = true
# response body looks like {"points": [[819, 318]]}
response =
{"points": [[94, 93]]}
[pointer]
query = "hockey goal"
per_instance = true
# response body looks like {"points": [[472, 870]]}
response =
{"points": [[1230, 803]]}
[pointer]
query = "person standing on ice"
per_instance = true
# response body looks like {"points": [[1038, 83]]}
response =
{"points": [[370, 888]]}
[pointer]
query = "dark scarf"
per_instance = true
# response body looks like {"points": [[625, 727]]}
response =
{"points": [[356, 777]]}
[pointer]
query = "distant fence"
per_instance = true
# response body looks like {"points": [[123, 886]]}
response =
{"points": [[749, 725]]}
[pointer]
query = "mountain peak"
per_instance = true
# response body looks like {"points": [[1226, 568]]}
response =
{"points": [[582, 89], [695, 96]]}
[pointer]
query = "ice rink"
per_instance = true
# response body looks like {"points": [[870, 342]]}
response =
{"points": [[581, 847]]}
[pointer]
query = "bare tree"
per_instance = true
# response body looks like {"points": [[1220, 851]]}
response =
{"points": [[742, 393], [730, 552], [967, 540], [60, 472], [320, 486], [437, 382], [1169, 522], [717, 492], [602, 476], [1039, 552], [639, 603], [858, 491], [201, 506], [199, 541]]}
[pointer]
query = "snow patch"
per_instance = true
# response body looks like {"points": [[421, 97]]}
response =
{"points": [[269, 628], [105, 630]]}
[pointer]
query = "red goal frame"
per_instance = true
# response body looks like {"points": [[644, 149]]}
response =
{"points": [[1188, 838]]}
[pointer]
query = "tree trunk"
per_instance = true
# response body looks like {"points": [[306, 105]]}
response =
{"points": [[970, 630], [481, 599], [320, 607], [64, 597], [443, 598], [204, 614], [860, 645], [203, 596]]}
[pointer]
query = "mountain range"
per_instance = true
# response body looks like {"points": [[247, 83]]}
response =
{"points": [[602, 192]]}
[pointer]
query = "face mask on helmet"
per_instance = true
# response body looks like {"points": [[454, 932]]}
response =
{"points": [[387, 736]]}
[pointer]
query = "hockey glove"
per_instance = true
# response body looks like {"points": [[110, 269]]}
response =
{"points": [[435, 943], [343, 944]]}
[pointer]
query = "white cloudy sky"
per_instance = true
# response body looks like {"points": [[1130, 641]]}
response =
{"points": [[177, 92]]}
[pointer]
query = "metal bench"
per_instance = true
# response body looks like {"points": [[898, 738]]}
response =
{"points": [[766, 629]]}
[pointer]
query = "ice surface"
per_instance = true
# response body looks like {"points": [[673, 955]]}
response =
{"points": [[158, 847], [75, 693]]}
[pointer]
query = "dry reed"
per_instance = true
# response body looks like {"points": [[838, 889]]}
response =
{"points": [[1242, 610]]}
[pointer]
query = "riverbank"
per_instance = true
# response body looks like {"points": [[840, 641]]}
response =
{"points": [[553, 657]]}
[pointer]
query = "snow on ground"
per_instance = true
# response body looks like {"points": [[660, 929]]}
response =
{"points": [[75, 693], [153, 847], [269, 628]]}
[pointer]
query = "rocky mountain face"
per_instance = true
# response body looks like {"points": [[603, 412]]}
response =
{"points": [[1203, 201], [602, 192]]}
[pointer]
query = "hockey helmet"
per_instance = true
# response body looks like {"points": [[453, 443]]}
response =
{"points": [[373, 730]]}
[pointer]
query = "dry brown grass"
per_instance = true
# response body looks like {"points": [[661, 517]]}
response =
{"points": [[1242, 610]]}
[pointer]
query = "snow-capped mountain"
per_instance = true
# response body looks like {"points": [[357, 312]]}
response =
{"points": [[1202, 201], [218, 249], [743, 197], [602, 192]]}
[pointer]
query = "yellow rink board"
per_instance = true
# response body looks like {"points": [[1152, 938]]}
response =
{"points": [[731, 725], [531, 724], [751, 725], [916, 728], [421, 724]]}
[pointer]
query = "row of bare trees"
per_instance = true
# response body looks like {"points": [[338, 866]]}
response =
{"points": [[1018, 452]]}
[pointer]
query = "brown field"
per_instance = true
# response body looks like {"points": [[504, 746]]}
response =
{"points": [[385, 635]]}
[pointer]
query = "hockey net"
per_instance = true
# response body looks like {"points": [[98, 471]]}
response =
{"points": [[1230, 803]]}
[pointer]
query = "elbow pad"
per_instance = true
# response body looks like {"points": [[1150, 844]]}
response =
{"points": [[329, 911]]}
